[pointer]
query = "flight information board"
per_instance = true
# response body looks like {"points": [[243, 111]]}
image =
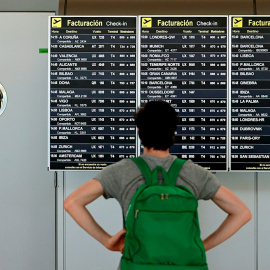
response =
{"points": [[250, 92], [184, 62], [92, 91], [102, 68]]}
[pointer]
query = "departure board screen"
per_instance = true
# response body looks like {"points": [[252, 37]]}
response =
{"points": [[184, 62], [250, 93], [216, 76], [92, 91]]}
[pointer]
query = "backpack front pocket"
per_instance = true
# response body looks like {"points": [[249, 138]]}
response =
{"points": [[158, 241]]}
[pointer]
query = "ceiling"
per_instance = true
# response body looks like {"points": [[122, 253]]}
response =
{"points": [[139, 7], [158, 7]]}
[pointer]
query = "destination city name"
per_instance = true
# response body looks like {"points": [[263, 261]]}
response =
{"points": [[251, 156], [247, 128]]}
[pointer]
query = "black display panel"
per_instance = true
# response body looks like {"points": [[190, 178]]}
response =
{"points": [[92, 91], [250, 93], [184, 62]]}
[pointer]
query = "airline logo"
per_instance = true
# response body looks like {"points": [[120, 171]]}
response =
{"points": [[237, 22], [146, 22], [56, 22]]}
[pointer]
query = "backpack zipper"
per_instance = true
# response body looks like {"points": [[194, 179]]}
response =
{"points": [[138, 210], [166, 196], [136, 213], [162, 196]]}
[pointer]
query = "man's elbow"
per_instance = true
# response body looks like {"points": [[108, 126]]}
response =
{"points": [[68, 204], [246, 215]]}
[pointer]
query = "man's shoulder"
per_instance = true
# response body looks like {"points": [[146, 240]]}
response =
{"points": [[203, 182], [121, 163], [191, 167], [120, 166]]}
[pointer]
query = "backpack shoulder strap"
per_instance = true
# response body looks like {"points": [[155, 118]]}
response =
{"points": [[145, 169], [174, 171], [151, 177]]}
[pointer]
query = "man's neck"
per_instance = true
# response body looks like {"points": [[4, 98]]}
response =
{"points": [[156, 153]]}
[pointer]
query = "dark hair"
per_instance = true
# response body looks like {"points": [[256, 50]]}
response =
{"points": [[157, 123]]}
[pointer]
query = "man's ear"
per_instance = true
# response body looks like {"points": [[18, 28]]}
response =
{"points": [[138, 132]]}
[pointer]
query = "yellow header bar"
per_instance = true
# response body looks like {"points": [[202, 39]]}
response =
{"points": [[258, 23]]}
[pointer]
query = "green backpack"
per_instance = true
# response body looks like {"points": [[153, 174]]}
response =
{"points": [[162, 224]]}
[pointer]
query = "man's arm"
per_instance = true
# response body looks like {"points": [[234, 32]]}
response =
{"points": [[75, 205], [238, 215]]}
